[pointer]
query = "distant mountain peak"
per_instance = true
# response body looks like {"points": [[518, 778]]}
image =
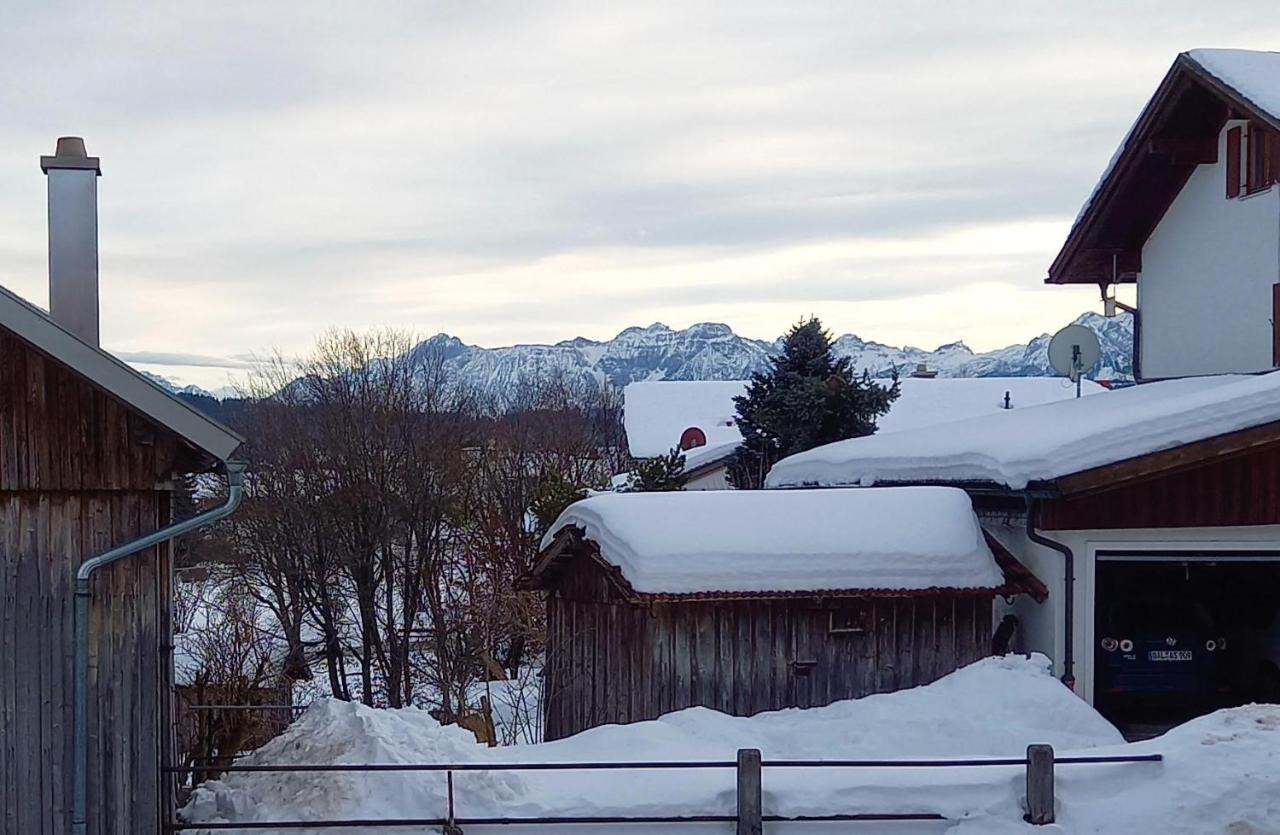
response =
{"points": [[712, 351]]}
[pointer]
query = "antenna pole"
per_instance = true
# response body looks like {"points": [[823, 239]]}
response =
{"points": [[1075, 367]]}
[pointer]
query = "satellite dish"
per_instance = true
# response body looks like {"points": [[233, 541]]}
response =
{"points": [[1073, 351]]}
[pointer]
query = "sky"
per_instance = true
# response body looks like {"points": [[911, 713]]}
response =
{"points": [[531, 172]]}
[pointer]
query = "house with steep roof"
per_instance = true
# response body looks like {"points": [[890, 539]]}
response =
{"points": [[90, 450], [1151, 514], [1188, 211]]}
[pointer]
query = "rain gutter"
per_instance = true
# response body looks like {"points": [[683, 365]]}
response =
{"points": [[80, 694]]}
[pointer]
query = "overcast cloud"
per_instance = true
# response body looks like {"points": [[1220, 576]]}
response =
{"points": [[513, 172]]}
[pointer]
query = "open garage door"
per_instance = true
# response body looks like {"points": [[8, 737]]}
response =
{"points": [[1181, 634]]}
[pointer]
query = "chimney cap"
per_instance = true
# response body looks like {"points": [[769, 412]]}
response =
{"points": [[70, 153]]}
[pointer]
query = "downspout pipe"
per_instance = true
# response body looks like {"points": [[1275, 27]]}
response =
{"points": [[1068, 596], [80, 687]]}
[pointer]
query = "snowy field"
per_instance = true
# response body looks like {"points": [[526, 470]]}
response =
{"points": [[1221, 773]]}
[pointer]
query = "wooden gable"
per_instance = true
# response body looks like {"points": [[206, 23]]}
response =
{"points": [[1176, 131], [58, 432]]}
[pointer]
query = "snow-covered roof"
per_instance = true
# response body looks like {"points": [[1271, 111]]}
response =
{"points": [[941, 400], [1254, 75], [655, 414], [131, 387], [706, 456], [786, 541], [1042, 443]]}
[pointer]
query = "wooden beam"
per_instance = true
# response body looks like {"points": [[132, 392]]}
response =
{"points": [[1040, 805], [750, 819], [1169, 460]]}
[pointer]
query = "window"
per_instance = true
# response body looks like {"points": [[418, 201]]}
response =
{"points": [[847, 621], [1253, 159]]}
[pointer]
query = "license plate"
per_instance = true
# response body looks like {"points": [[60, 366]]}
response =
{"points": [[1169, 655]]}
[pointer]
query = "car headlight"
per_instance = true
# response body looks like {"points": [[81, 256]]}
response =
{"points": [[1110, 644], [1211, 645], [1126, 645]]}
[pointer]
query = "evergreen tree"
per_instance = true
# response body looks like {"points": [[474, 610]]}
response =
{"points": [[806, 398], [553, 494], [664, 473]]}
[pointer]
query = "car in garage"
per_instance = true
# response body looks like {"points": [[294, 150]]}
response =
{"points": [[1158, 647]]}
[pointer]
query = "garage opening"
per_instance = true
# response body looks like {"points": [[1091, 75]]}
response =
{"points": [[1179, 635]]}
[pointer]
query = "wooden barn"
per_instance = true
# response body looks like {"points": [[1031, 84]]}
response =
{"points": [[89, 450], [745, 601]]}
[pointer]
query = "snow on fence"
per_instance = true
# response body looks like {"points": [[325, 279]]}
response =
{"points": [[749, 817]]}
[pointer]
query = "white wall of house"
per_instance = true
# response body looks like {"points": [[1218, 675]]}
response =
{"points": [[715, 479], [1041, 623], [1207, 273]]}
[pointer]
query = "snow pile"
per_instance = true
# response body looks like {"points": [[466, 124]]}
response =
{"points": [[1019, 446], [333, 732], [788, 540], [1220, 774], [992, 708]]}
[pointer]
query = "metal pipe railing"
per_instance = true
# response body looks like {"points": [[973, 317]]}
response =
{"points": [[748, 765]]}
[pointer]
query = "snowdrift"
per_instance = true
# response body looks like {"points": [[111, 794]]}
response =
{"points": [[1221, 774]]}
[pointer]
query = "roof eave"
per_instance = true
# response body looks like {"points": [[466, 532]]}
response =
{"points": [[1063, 268], [1059, 270]]}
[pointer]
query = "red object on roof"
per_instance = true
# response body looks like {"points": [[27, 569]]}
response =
{"points": [[692, 437]]}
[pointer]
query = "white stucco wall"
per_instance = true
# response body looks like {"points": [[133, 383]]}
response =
{"points": [[1041, 623], [1207, 272], [717, 479]]}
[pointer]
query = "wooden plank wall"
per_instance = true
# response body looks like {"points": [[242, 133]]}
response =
{"points": [[78, 475], [611, 661], [1237, 490]]}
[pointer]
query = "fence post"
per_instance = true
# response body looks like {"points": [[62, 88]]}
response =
{"points": [[450, 827], [749, 819], [1040, 784]]}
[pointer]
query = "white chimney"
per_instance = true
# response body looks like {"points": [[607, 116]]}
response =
{"points": [[73, 237]]}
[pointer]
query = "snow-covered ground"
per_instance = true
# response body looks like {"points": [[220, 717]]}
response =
{"points": [[1221, 773]]}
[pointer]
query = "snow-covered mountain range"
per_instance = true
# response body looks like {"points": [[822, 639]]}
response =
{"points": [[710, 351]]}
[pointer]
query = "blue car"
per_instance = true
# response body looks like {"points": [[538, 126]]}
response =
{"points": [[1160, 648]]}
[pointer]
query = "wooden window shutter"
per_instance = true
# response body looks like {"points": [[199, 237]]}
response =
{"points": [[1273, 157], [1275, 325], [1252, 158], [1233, 162], [1257, 158]]}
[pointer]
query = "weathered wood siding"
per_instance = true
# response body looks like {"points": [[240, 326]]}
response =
{"points": [[613, 661], [78, 475]]}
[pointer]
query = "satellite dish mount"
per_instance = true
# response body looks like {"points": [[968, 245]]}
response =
{"points": [[1073, 351]]}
